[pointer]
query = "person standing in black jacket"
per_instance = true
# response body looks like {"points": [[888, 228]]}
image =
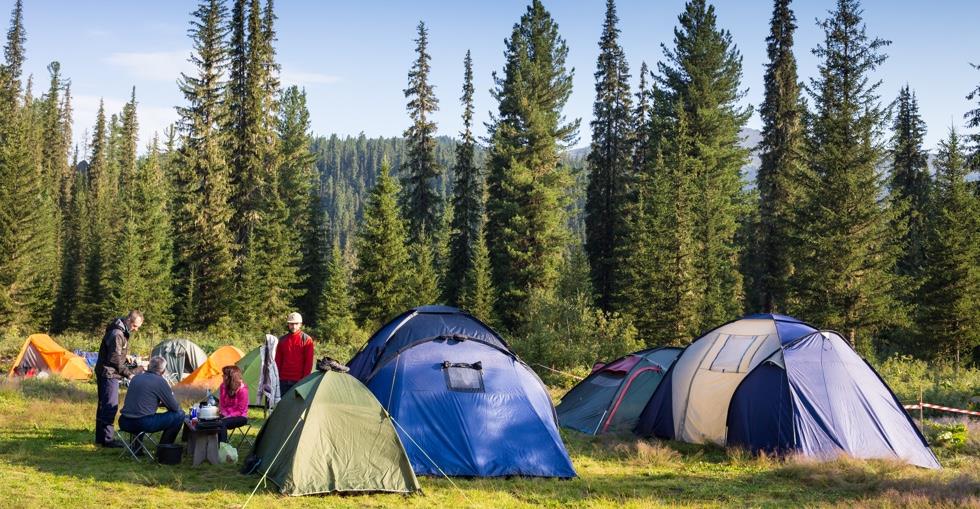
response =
{"points": [[109, 370]]}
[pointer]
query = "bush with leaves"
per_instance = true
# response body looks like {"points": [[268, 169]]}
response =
{"points": [[565, 332]]}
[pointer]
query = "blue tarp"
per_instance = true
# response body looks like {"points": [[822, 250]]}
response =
{"points": [[503, 424]]}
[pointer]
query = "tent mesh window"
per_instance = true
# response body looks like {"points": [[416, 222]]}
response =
{"points": [[732, 353], [463, 377]]}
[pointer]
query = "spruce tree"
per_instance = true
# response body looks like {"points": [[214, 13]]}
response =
{"points": [[67, 177], [526, 229], [665, 296], [124, 281], [383, 274], [269, 280], [422, 201], [468, 197], [973, 122], [424, 281], [151, 195], [782, 162], [203, 240], [845, 277], [28, 227], [909, 188], [10, 70], [70, 275], [949, 314], [476, 293], [96, 228], [300, 192], [335, 318], [609, 162], [700, 80]]}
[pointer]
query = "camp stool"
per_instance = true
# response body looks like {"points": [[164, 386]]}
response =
{"points": [[242, 433], [135, 444]]}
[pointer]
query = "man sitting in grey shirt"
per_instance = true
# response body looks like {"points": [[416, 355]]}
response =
{"points": [[146, 392]]}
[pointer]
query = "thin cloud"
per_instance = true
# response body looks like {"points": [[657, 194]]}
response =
{"points": [[306, 79], [153, 65]]}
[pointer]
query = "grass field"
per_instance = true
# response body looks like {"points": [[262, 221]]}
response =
{"points": [[47, 460]]}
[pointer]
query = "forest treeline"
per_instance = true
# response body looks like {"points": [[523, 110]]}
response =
{"points": [[238, 214]]}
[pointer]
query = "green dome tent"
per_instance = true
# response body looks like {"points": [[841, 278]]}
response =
{"points": [[182, 355], [329, 434]]}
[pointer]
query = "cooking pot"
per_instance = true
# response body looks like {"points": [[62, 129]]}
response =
{"points": [[207, 412]]}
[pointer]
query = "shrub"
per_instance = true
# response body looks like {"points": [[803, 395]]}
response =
{"points": [[940, 384], [950, 435]]}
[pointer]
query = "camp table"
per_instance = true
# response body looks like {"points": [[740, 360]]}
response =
{"points": [[202, 441]]}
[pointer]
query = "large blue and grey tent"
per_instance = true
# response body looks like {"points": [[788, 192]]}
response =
{"points": [[773, 383], [463, 402], [611, 398]]}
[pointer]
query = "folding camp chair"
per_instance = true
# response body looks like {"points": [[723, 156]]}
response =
{"points": [[136, 444], [242, 433]]}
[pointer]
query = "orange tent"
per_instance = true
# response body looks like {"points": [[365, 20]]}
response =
{"points": [[41, 353], [208, 375]]}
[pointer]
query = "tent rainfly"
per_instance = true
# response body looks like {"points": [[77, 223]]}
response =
{"points": [[773, 383], [182, 355], [208, 375], [40, 354], [465, 403], [329, 434], [611, 398]]}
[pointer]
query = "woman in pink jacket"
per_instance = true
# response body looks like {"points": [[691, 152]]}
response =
{"points": [[232, 401]]}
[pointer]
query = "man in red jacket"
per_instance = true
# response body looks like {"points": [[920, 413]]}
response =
{"points": [[294, 354]]}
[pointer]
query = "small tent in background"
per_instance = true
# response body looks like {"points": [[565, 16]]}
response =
{"points": [[259, 370], [329, 434], [208, 374], [465, 403], [612, 397], [41, 354], [182, 355], [773, 383]]}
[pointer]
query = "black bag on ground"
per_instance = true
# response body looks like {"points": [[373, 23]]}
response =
{"points": [[169, 454]]}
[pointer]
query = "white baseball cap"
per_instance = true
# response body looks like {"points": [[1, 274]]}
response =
{"points": [[294, 318]]}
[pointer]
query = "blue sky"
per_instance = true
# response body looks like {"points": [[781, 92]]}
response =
{"points": [[353, 57]]}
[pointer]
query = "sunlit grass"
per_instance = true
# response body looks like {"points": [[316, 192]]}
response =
{"points": [[47, 460]]}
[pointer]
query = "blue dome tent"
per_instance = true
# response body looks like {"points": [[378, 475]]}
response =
{"points": [[465, 404], [773, 383]]}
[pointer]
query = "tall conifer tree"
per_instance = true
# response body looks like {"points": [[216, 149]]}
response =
{"points": [[92, 306], [949, 314], [468, 196], [702, 75], [782, 162], [383, 274], [204, 245], [910, 185], [845, 279], [124, 282], [526, 227], [973, 122], [477, 294], [335, 318], [609, 163], [422, 201], [300, 192]]}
